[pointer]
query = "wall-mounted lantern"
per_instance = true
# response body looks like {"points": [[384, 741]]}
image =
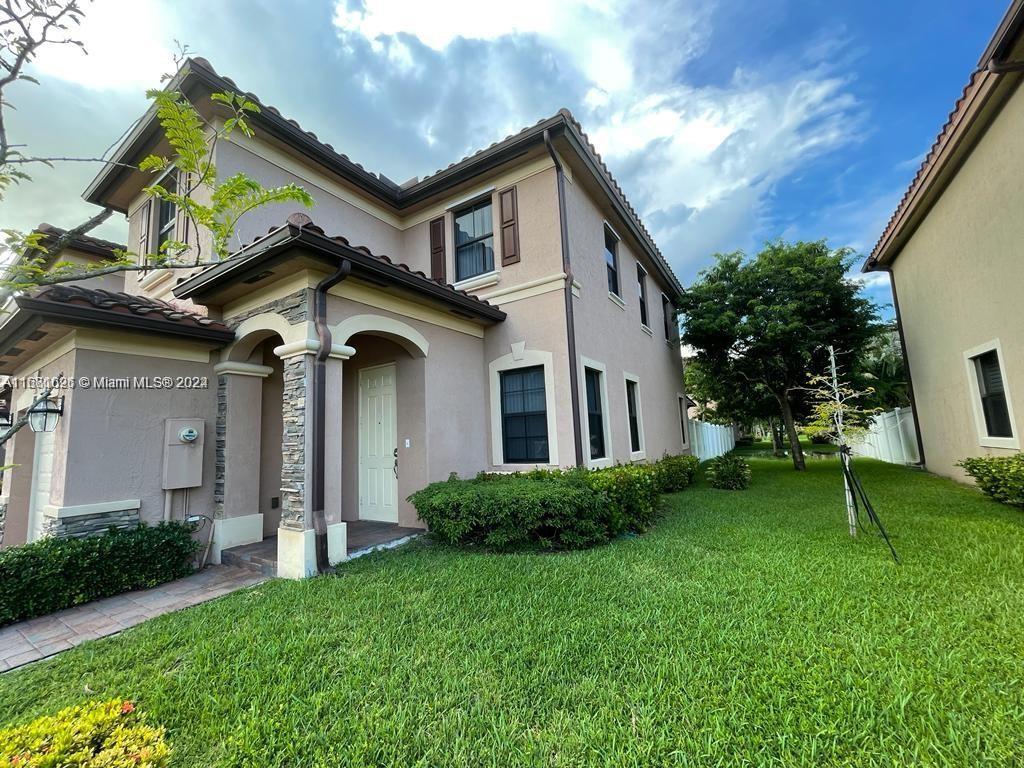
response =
{"points": [[44, 415]]}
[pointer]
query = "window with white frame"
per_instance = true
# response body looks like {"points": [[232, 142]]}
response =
{"points": [[474, 240], [682, 417], [634, 417], [641, 291], [611, 258], [167, 215], [668, 317], [524, 417], [595, 413], [990, 391]]}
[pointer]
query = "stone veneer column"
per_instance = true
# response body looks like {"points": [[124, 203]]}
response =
{"points": [[294, 506]]}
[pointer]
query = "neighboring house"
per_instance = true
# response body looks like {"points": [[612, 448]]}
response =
{"points": [[508, 312], [955, 252]]}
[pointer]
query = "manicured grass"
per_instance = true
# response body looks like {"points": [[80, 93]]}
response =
{"points": [[762, 449], [747, 628]]}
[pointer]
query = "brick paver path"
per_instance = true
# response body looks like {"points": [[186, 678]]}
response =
{"points": [[38, 638]]}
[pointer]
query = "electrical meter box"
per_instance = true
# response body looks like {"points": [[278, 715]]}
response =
{"points": [[183, 453]]}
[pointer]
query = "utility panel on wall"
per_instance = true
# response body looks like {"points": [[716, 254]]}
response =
{"points": [[183, 453]]}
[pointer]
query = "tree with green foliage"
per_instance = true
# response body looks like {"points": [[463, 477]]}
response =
{"points": [[211, 204], [764, 324]]}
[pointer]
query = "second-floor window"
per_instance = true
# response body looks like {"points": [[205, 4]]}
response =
{"points": [[668, 316], [611, 257], [474, 241], [641, 291], [167, 214]]}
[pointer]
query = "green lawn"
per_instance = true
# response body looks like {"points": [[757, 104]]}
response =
{"points": [[747, 628]]}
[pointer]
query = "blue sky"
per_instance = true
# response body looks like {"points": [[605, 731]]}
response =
{"points": [[727, 123]]}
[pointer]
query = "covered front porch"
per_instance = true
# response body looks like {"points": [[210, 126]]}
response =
{"points": [[323, 427]]}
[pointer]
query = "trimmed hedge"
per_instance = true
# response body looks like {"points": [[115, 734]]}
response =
{"points": [[102, 734], [1000, 477], [51, 574], [674, 473], [728, 473], [550, 509]]}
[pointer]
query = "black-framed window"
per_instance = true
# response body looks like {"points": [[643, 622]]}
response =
{"points": [[682, 417], [167, 214], [524, 416], [611, 258], [641, 292], [633, 411], [993, 395], [668, 312], [474, 240], [595, 413]]}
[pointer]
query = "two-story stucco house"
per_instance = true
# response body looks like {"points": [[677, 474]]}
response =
{"points": [[954, 250], [508, 312]]}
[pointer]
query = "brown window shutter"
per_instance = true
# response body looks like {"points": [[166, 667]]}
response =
{"points": [[509, 227], [437, 255]]}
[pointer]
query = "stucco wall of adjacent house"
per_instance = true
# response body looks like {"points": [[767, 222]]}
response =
{"points": [[116, 436], [612, 334], [959, 281]]}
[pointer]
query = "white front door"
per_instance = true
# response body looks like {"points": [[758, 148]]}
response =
{"points": [[42, 475], [378, 445]]}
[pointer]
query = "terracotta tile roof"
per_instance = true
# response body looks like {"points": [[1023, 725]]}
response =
{"points": [[80, 242], [122, 304]]}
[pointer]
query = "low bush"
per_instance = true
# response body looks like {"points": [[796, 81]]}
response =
{"points": [[728, 472], [51, 574], [546, 509], [1000, 477], [674, 473], [513, 511], [102, 734]]}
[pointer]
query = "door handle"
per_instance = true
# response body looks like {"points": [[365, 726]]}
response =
{"points": [[396, 463]]}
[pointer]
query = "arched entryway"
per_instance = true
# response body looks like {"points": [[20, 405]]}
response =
{"points": [[384, 417]]}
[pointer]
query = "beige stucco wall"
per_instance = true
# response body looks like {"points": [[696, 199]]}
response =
{"points": [[613, 335], [116, 436], [959, 281]]}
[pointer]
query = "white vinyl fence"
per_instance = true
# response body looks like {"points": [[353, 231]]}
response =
{"points": [[890, 438], [710, 440]]}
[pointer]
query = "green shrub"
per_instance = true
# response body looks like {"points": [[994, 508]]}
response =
{"points": [[102, 734], [674, 473], [51, 574], [506, 512], [1000, 477], [728, 472], [547, 509]]}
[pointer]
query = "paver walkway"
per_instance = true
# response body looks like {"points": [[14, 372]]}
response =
{"points": [[38, 638]]}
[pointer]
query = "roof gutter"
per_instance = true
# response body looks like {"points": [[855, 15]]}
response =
{"points": [[570, 325]]}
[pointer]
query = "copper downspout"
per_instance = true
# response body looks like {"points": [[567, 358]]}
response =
{"points": [[570, 325], [319, 398], [906, 360]]}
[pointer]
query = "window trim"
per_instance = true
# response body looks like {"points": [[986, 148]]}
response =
{"points": [[642, 453], [520, 357], [609, 450], [455, 211], [609, 230], [974, 390]]}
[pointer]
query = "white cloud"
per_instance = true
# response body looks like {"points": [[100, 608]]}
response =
{"points": [[128, 42]]}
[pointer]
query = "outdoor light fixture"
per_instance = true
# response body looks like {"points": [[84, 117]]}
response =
{"points": [[44, 415]]}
